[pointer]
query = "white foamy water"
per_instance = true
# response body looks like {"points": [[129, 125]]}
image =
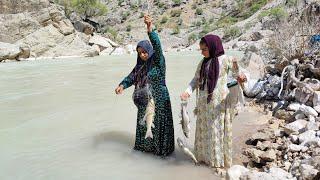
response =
{"points": [[60, 119]]}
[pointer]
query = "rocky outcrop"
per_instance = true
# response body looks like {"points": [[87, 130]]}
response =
{"points": [[50, 42], [19, 6]]}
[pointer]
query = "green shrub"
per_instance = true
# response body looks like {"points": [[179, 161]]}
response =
{"points": [[175, 13], [277, 13], [192, 38], [176, 30], [112, 32], [176, 2], [164, 20], [128, 28], [232, 32], [125, 15], [291, 3], [205, 30], [180, 21], [226, 21], [199, 11], [249, 7], [89, 7]]}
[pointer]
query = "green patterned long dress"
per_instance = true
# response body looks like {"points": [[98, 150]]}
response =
{"points": [[162, 143]]}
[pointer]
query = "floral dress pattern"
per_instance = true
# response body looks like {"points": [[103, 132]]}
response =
{"points": [[213, 138]]}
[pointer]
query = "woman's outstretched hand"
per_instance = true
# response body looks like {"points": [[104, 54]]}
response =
{"points": [[242, 78], [119, 89], [148, 22], [184, 96]]}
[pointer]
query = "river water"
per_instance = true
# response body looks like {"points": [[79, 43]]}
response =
{"points": [[60, 119]]}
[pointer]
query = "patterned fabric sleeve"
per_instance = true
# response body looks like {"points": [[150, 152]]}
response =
{"points": [[155, 41], [128, 81]]}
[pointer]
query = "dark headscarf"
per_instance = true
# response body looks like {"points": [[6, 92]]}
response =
{"points": [[142, 67], [209, 76]]}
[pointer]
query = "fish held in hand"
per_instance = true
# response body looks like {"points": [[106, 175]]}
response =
{"points": [[185, 120]]}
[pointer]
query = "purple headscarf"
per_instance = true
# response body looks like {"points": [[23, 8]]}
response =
{"points": [[142, 67], [209, 76]]}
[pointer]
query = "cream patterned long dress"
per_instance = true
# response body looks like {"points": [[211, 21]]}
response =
{"points": [[213, 139]]}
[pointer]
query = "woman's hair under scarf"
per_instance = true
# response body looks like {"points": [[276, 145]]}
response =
{"points": [[140, 70], [209, 76]]}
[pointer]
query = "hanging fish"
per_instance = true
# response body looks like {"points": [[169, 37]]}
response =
{"points": [[185, 120], [186, 150], [149, 118]]}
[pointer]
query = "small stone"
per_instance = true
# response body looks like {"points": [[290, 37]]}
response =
{"points": [[316, 98], [287, 166], [259, 136], [236, 171], [312, 118], [294, 138], [297, 148], [254, 154], [283, 114], [295, 127], [313, 126], [317, 108], [307, 171], [299, 116], [307, 136], [269, 156], [307, 110], [294, 106]]}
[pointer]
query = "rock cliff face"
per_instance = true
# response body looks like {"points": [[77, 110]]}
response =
{"points": [[20, 6], [42, 29]]}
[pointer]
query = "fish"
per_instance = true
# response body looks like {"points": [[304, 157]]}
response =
{"points": [[186, 150], [185, 120], [149, 118]]}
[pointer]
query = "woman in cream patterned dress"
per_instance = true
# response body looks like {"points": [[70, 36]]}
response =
{"points": [[213, 139]]}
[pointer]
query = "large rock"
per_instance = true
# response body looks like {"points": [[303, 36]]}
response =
{"points": [[42, 40], [13, 7], [65, 27], [72, 45], [16, 26], [254, 64], [9, 51], [49, 42], [101, 41]]}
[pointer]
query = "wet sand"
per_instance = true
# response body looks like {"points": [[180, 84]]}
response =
{"points": [[60, 119]]}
